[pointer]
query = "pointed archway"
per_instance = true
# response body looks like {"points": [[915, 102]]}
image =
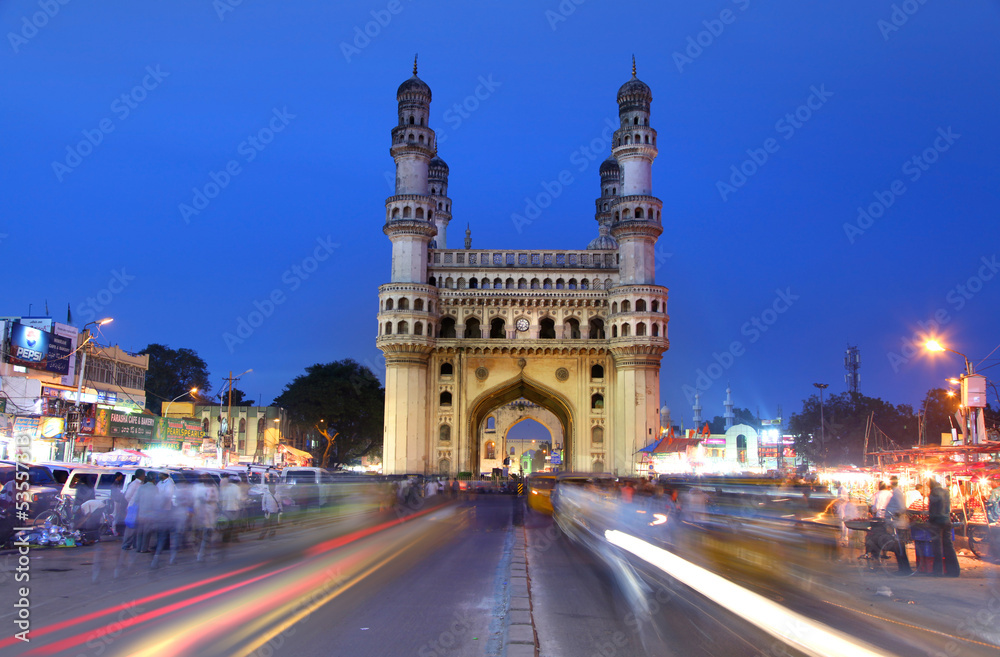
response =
{"points": [[520, 387]]}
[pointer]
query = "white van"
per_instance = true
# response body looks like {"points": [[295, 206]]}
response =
{"points": [[102, 478], [307, 486]]}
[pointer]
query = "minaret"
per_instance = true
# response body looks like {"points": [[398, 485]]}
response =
{"points": [[468, 237], [698, 422], [730, 417], [438, 181], [409, 212], [405, 328], [638, 306], [636, 220]]}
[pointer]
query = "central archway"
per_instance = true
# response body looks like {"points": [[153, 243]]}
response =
{"points": [[521, 387]]}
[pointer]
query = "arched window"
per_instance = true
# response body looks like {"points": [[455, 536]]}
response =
{"points": [[444, 466], [510, 284], [640, 306], [626, 330], [597, 371], [522, 284], [585, 284], [446, 398], [432, 281], [449, 283], [497, 284], [418, 328], [614, 330], [741, 448], [446, 369], [614, 308], [497, 328], [572, 329], [635, 120], [597, 328], [205, 425], [535, 284], [560, 284], [607, 283], [402, 328], [490, 450], [395, 213], [406, 212], [572, 284], [640, 328], [404, 304], [638, 213], [418, 304], [388, 304], [448, 327], [444, 433], [656, 330], [547, 284], [472, 329], [597, 435], [411, 120], [597, 401], [473, 284], [420, 213], [491, 423], [626, 307], [655, 306], [388, 328], [547, 329], [243, 425]]}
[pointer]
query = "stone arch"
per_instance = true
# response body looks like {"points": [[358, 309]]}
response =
{"points": [[512, 390], [472, 328], [640, 306], [404, 304], [388, 304], [418, 304]]}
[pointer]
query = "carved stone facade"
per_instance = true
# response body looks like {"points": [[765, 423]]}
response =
{"points": [[579, 333]]}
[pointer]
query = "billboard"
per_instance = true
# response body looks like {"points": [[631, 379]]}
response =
{"points": [[124, 425], [33, 347]]}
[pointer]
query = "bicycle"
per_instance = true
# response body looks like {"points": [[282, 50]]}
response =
{"points": [[885, 542], [66, 514]]}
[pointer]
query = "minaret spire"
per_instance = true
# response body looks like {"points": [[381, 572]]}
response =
{"points": [[415, 64], [633, 67]]}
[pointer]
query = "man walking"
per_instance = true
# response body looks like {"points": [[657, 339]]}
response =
{"points": [[895, 513], [131, 509], [939, 516]]}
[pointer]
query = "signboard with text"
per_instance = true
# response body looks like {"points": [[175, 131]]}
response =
{"points": [[124, 425]]}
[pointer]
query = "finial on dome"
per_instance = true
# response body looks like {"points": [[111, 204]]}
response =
{"points": [[415, 65], [633, 66]]}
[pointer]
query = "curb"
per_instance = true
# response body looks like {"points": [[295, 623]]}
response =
{"points": [[522, 638]]}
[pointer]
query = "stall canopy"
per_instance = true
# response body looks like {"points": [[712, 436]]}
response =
{"points": [[299, 456]]}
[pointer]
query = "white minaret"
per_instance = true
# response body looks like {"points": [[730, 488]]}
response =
{"points": [[729, 408], [409, 212], [438, 181], [698, 423], [636, 220]]}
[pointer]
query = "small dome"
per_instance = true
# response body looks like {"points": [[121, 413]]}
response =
{"points": [[415, 85], [603, 241], [610, 166], [635, 87], [438, 163]]}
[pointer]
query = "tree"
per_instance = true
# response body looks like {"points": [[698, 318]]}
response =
{"points": [[172, 373], [939, 414], [239, 397], [344, 398], [846, 416]]}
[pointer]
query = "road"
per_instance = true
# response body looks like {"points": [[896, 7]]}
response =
{"points": [[432, 583]]}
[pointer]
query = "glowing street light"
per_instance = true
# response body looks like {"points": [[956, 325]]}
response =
{"points": [[192, 392]]}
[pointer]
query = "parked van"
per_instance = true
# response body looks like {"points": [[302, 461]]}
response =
{"points": [[102, 478], [307, 486]]}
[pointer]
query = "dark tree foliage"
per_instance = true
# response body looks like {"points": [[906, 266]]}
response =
{"points": [[349, 400], [239, 397], [846, 417], [939, 414], [172, 373]]}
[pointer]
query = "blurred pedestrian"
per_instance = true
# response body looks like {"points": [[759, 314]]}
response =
{"points": [[148, 512], [120, 504], [131, 509], [232, 505], [205, 495], [881, 500], [272, 511], [939, 516]]}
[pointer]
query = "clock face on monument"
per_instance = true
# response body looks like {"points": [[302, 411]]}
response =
{"points": [[522, 324]]}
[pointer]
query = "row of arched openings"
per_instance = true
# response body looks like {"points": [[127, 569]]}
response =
{"points": [[520, 284]]}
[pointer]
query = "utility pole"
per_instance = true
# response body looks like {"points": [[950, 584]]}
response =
{"points": [[822, 420]]}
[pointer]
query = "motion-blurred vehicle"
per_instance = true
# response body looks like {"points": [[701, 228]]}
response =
{"points": [[539, 491], [43, 489]]}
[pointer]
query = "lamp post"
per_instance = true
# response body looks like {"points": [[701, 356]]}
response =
{"points": [[79, 379], [166, 410], [971, 412], [822, 420]]}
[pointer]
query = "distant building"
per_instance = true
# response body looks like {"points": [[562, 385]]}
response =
{"points": [[257, 431]]}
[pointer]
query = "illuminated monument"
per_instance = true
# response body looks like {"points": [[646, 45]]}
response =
{"points": [[466, 332]]}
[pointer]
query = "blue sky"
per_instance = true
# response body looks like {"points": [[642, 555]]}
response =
{"points": [[172, 97]]}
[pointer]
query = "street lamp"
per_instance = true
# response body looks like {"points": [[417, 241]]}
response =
{"points": [[972, 386], [79, 379], [192, 391], [229, 417], [822, 420]]}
